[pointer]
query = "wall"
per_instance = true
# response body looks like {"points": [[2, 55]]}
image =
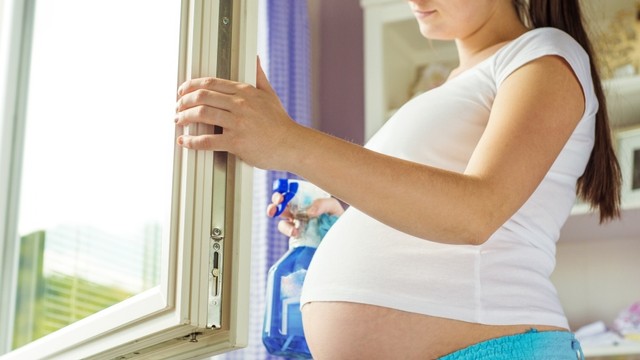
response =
{"points": [[338, 63], [596, 279], [598, 266]]}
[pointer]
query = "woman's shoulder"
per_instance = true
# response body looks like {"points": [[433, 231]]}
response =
{"points": [[550, 32], [537, 43], [545, 38]]}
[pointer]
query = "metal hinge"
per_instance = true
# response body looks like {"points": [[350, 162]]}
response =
{"points": [[216, 252]]}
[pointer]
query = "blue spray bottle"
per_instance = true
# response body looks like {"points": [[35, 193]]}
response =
{"points": [[282, 333]]}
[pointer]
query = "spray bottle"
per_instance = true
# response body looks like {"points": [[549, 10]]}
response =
{"points": [[282, 333]]}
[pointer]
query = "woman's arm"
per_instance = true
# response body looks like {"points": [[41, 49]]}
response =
{"points": [[533, 115]]}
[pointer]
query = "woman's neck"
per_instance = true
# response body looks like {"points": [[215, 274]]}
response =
{"points": [[503, 27]]}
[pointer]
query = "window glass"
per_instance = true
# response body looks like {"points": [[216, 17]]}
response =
{"points": [[96, 174]]}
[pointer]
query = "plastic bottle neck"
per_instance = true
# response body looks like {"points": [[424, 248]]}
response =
{"points": [[308, 234], [295, 242]]}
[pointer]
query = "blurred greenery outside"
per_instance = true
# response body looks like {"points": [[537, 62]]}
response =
{"points": [[47, 301]]}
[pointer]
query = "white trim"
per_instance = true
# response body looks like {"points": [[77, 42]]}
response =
{"points": [[243, 211], [628, 146], [14, 74], [64, 341]]}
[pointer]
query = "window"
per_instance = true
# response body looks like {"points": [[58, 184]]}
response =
{"points": [[115, 242]]}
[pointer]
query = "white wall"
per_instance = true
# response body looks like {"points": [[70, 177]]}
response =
{"points": [[596, 279]]}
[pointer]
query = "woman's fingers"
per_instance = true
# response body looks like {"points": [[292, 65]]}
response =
{"points": [[288, 228], [215, 142], [271, 210], [329, 206], [201, 101], [208, 100], [206, 115], [256, 127], [277, 198], [205, 97], [209, 83]]}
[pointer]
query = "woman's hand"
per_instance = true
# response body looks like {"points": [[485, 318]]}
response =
{"points": [[330, 206], [255, 125]]}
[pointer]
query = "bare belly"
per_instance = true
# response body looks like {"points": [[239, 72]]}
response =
{"points": [[342, 330]]}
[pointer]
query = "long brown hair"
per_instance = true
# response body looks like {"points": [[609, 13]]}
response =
{"points": [[600, 184]]}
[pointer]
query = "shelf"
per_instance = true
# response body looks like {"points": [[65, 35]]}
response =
{"points": [[612, 350]]}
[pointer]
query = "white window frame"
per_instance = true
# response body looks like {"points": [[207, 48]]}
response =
{"points": [[180, 318]]}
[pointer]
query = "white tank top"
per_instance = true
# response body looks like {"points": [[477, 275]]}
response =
{"points": [[506, 279]]}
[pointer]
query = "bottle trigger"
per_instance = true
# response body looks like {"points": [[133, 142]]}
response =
{"points": [[288, 191]]}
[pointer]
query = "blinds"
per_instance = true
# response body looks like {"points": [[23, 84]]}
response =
{"points": [[58, 283]]}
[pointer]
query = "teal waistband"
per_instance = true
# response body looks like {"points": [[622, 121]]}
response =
{"points": [[547, 345]]}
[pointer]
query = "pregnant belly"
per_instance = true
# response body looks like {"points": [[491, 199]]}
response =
{"points": [[342, 330]]}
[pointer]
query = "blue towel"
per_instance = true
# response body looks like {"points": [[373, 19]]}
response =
{"points": [[325, 222]]}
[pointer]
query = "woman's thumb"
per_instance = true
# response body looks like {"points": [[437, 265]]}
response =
{"points": [[329, 206], [261, 79]]}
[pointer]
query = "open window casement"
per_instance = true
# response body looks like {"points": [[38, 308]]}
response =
{"points": [[196, 303]]}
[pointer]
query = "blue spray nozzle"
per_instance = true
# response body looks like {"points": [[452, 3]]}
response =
{"points": [[288, 189]]}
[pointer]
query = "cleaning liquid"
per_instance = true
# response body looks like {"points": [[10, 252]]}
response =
{"points": [[282, 333]]}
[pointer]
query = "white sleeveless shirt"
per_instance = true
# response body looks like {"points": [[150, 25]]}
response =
{"points": [[503, 281]]}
